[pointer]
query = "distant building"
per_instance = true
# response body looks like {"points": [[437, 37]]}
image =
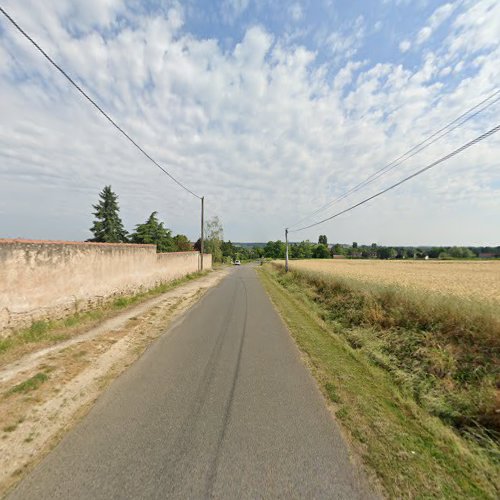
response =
{"points": [[489, 255], [338, 256]]}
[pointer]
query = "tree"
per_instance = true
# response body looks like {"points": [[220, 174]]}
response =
{"points": [[214, 235], [275, 249], [229, 250], [108, 226], [321, 252], [354, 244], [461, 253], [338, 249], [323, 240], [302, 250], [386, 253], [182, 243], [152, 232]]}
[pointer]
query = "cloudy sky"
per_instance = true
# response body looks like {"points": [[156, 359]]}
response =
{"points": [[269, 108]]}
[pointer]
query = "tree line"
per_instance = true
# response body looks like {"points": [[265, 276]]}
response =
{"points": [[321, 250]]}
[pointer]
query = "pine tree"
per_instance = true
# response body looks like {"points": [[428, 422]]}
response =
{"points": [[108, 226], [152, 232]]}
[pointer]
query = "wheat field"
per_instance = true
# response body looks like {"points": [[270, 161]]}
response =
{"points": [[473, 280]]}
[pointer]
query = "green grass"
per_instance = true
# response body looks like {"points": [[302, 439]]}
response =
{"points": [[31, 384], [443, 350], [51, 332], [413, 453]]}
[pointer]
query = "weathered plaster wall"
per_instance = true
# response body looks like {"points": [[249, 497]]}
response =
{"points": [[44, 279]]}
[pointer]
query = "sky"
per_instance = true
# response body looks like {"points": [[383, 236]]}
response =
{"points": [[270, 109]]}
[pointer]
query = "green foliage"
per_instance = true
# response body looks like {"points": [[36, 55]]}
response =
{"points": [[153, 232], [229, 250], [108, 226], [321, 252], [323, 240], [275, 249], [182, 243], [338, 249], [30, 384], [302, 250], [386, 253], [461, 253], [214, 236]]}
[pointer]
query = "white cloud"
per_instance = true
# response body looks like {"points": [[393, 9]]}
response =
{"points": [[440, 15], [423, 35], [263, 130], [404, 46], [346, 42], [233, 9], [295, 11]]}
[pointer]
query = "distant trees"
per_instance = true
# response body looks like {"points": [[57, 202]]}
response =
{"points": [[456, 253], [153, 232], [275, 249], [302, 250], [321, 252], [108, 227], [386, 252], [214, 235], [323, 240], [182, 243], [307, 250], [338, 249]]}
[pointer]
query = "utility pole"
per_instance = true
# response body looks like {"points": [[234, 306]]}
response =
{"points": [[202, 229], [286, 253]]}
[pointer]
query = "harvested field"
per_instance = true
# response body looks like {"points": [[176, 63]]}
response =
{"points": [[473, 280]]}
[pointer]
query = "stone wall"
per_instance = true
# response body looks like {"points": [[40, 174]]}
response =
{"points": [[51, 279]]}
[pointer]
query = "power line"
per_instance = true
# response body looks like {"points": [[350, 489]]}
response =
{"points": [[51, 61], [463, 118], [418, 172]]}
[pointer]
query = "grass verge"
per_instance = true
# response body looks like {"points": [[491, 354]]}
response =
{"points": [[44, 333], [413, 453], [31, 384]]}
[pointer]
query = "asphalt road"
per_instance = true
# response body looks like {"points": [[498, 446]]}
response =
{"points": [[220, 406]]}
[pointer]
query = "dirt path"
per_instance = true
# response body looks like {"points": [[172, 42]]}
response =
{"points": [[44, 393]]}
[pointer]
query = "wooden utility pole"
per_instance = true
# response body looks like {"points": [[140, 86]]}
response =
{"points": [[286, 252], [202, 229]]}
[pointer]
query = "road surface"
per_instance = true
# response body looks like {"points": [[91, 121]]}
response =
{"points": [[221, 406]]}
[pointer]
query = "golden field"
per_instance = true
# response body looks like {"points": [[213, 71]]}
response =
{"points": [[474, 280]]}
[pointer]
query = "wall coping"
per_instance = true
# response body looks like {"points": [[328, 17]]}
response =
{"points": [[22, 241], [12, 241], [185, 251]]}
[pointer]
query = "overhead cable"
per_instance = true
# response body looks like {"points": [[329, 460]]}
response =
{"points": [[494, 130], [457, 122], [96, 106]]}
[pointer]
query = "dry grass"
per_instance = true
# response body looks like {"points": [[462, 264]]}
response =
{"points": [[443, 349], [414, 454], [473, 280]]}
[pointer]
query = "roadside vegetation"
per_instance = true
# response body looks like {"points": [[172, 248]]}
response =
{"points": [[48, 332], [412, 376]]}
